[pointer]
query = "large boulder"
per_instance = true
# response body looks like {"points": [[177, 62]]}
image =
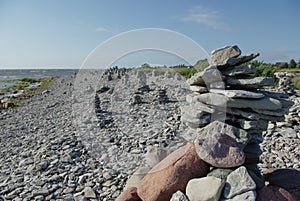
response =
{"points": [[172, 174]]}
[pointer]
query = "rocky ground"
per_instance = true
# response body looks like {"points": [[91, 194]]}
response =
{"points": [[45, 157]]}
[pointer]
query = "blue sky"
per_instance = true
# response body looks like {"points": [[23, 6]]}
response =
{"points": [[62, 33]]}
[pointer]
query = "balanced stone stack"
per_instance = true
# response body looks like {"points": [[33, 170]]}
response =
{"points": [[285, 82], [228, 111]]}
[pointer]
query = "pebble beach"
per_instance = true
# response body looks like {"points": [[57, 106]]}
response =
{"points": [[44, 156]]}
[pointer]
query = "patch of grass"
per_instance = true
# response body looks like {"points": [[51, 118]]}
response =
{"points": [[296, 82], [45, 82], [29, 80], [17, 87]]}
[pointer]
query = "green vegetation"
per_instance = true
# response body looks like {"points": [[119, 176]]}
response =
{"points": [[296, 81], [20, 84], [45, 83]]}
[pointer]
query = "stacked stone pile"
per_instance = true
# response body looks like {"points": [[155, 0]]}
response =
{"points": [[285, 82], [227, 114]]}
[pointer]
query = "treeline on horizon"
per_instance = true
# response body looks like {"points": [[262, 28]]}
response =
{"points": [[263, 69]]}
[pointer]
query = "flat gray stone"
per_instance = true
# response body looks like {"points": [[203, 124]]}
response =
{"points": [[238, 182], [221, 55], [195, 122], [233, 61], [250, 82], [192, 99], [219, 100], [237, 93], [239, 70], [240, 135], [274, 94], [220, 150], [195, 112], [244, 113], [247, 196], [179, 196], [205, 188], [272, 112], [208, 75]]}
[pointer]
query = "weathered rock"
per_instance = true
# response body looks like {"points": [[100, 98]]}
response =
{"points": [[244, 113], [250, 82], [239, 135], [237, 93], [89, 193], [223, 101], [170, 174], [220, 150], [274, 193], [196, 122], [239, 70], [179, 196], [130, 194], [234, 61], [238, 182], [205, 188], [209, 75], [220, 56]]}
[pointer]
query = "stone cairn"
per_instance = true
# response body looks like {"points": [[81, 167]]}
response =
{"points": [[227, 113], [285, 82]]}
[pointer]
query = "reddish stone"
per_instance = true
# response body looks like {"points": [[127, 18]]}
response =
{"points": [[220, 150], [130, 194], [274, 193], [172, 174]]}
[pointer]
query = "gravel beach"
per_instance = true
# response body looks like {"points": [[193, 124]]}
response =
{"points": [[45, 157]]}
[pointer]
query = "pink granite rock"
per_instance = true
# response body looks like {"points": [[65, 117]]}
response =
{"points": [[172, 174], [220, 150]]}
